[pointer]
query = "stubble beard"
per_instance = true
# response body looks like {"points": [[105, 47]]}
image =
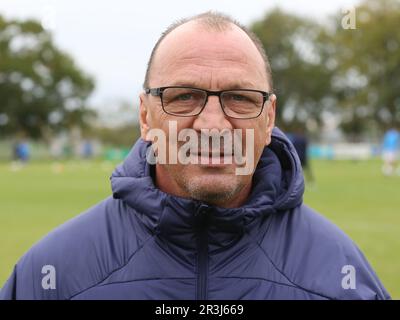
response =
{"points": [[212, 188]]}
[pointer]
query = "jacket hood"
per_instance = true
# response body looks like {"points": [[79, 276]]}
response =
{"points": [[278, 184]]}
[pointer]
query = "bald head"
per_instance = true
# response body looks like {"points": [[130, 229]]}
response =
{"points": [[207, 24]]}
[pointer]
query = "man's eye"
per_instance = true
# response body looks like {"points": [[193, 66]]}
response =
{"points": [[238, 97], [184, 97]]}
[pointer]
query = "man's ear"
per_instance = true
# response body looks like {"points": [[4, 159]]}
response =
{"points": [[271, 109], [144, 116]]}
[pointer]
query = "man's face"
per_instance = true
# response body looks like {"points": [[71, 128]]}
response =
{"points": [[211, 60]]}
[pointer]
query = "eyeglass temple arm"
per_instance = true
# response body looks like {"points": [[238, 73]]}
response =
{"points": [[153, 92]]}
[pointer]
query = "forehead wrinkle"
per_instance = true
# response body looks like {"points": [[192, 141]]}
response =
{"points": [[226, 85], [212, 61], [210, 79]]}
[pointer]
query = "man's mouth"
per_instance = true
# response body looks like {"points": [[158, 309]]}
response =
{"points": [[213, 158]]}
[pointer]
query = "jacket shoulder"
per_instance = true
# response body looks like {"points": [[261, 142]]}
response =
{"points": [[75, 256], [316, 256]]}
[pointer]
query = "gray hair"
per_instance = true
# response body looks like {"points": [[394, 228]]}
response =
{"points": [[212, 21]]}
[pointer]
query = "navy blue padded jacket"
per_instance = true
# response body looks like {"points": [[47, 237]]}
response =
{"points": [[142, 243]]}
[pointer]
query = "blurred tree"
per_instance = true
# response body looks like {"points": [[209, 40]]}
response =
{"points": [[120, 136], [300, 70], [329, 71], [41, 88], [116, 124], [367, 79]]}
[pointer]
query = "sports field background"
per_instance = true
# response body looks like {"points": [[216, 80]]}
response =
{"points": [[354, 195]]}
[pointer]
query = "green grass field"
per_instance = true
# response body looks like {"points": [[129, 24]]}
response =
{"points": [[354, 195]]}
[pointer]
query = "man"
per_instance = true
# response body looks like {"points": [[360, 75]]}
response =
{"points": [[390, 152], [300, 142], [201, 230]]}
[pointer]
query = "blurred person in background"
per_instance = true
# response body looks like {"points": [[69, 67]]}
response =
{"points": [[300, 142], [21, 151], [87, 149], [390, 152]]}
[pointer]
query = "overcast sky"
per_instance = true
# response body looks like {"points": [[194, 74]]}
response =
{"points": [[112, 40]]}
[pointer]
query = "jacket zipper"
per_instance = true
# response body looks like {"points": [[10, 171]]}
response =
{"points": [[202, 256]]}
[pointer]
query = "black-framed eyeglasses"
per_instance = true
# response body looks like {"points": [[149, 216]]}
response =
{"points": [[188, 102]]}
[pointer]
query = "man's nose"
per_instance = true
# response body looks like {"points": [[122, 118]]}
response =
{"points": [[212, 116]]}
